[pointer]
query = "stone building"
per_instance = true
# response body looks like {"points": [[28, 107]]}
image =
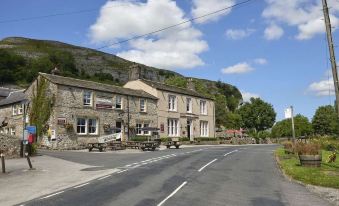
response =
{"points": [[11, 113], [181, 112], [84, 110]]}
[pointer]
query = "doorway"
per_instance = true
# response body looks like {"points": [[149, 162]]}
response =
{"points": [[190, 130]]}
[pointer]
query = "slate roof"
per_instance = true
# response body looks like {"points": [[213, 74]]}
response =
{"points": [[14, 97], [4, 92], [95, 86], [169, 88]]}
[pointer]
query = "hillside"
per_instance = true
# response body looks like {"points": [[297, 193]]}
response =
{"points": [[21, 59]]}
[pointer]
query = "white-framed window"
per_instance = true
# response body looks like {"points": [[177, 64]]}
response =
{"points": [[146, 132], [203, 128], [17, 109], [143, 105], [139, 126], [172, 103], [173, 127], [87, 98], [118, 102], [92, 126], [87, 126], [189, 106], [203, 107], [6, 130], [81, 126], [13, 131]]}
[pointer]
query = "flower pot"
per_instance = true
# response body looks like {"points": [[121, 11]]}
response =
{"points": [[310, 160]]}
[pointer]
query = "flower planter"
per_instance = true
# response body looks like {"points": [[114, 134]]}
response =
{"points": [[310, 160]]}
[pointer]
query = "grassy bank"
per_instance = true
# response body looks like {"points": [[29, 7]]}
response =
{"points": [[327, 175]]}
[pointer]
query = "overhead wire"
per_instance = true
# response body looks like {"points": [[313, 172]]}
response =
{"points": [[175, 25]]}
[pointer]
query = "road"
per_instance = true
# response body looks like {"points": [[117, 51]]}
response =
{"points": [[242, 175]]}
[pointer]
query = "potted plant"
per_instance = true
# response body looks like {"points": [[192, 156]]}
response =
{"points": [[288, 147], [309, 154]]}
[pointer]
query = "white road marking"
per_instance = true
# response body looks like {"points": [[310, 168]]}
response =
{"points": [[207, 165], [121, 171], [230, 152], [51, 195], [101, 178], [81, 185], [173, 193]]}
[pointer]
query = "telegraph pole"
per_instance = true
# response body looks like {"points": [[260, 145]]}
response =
{"points": [[331, 49], [292, 118]]}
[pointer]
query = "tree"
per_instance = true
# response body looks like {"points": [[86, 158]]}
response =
{"points": [[283, 128], [325, 121], [257, 114], [41, 107], [233, 120]]}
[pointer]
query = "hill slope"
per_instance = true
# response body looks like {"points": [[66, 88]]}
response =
{"points": [[21, 59]]}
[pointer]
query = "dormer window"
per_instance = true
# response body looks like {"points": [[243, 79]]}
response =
{"points": [[87, 97]]}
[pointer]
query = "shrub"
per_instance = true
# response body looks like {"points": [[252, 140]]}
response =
{"points": [[327, 143], [307, 148], [205, 139]]}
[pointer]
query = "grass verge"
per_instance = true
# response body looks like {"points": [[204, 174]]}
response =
{"points": [[327, 175]]}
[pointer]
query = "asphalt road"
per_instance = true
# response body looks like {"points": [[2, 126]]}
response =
{"points": [[245, 175]]}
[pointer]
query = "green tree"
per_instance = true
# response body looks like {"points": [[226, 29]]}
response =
{"points": [[220, 110], [233, 120], [325, 121], [302, 127], [176, 81], [41, 107], [257, 114]]}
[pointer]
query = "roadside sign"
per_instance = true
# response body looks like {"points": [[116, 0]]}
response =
{"points": [[31, 129], [25, 134], [288, 113]]}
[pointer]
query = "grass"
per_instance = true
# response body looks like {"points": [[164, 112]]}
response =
{"points": [[327, 175]]}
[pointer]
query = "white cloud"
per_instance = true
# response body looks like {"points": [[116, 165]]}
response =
{"points": [[322, 88], [239, 68], [273, 32], [246, 96], [203, 7], [171, 49], [260, 61], [237, 34], [306, 15]]}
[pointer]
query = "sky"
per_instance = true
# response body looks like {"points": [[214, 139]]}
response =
{"points": [[272, 49]]}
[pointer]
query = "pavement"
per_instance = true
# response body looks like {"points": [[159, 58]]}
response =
{"points": [[199, 175]]}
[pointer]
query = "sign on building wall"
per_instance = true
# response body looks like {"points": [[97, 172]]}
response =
{"points": [[61, 121], [104, 103]]}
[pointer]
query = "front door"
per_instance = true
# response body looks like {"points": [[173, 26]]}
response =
{"points": [[189, 130], [118, 126]]}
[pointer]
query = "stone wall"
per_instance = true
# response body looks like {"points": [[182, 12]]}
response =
{"points": [[10, 145], [15, 122], [69, 106]]}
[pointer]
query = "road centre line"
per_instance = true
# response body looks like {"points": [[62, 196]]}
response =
{"points": [[173, 193], [207, 165], [51, 195], [101, 178], [122, 171], [230, 152], [81, 185]]}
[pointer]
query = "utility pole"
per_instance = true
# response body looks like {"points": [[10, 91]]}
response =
{"points": [[292, 118], [332, 56]]}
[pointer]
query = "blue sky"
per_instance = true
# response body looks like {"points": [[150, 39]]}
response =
{"points": [[273, 49]]}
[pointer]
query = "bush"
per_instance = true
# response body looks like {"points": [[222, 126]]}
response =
{"points": [[205, 139], [307, 148], [327, 143], [288, 146], [140, 138]]}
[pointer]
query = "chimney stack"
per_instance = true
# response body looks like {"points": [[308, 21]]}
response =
{"points": [[134, 72], [55, 71], [190, 84]]}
